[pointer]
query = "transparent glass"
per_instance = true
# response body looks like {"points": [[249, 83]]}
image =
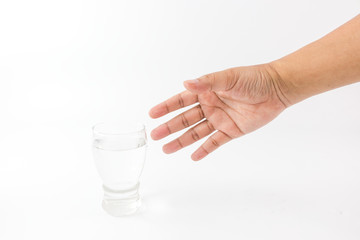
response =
{"points": [[119, 152]]}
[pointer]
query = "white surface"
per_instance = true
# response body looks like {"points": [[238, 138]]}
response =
{"points": [[66, 65]]}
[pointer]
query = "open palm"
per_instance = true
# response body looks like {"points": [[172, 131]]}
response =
{"points": [[231, 103]]}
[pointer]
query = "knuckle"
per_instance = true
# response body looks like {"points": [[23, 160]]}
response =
{"points": [[184, 121], [206, 151], [214, 142], [200, 111], [181, 101], [195, 136], [180, 143], [209, 78], [168, 127], [167, 106], [210, 126]]}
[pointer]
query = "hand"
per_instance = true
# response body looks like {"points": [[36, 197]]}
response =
{"points": [[231, 103]]}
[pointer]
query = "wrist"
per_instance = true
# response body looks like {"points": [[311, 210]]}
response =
{"points": [[282, 86]]}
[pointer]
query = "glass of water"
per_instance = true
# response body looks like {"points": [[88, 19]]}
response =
{"points": [[119, 152]]}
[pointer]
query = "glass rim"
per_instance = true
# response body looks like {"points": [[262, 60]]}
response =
{"points": [[140, 127]]}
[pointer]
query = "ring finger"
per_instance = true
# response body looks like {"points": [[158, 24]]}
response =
{"points": [[181, 121]]}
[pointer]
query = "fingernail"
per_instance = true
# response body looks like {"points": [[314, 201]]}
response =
{"points": [[171, 147], [194, 81], [198, 155], [159, 132], [155, 112]]}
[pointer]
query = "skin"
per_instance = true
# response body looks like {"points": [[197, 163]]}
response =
{"points": [[237, 101]]}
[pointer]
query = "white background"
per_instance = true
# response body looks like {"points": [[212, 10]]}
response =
{"points": [[66, 65]]}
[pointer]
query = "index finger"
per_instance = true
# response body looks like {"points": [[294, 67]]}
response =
{"points": [[176, 102]]}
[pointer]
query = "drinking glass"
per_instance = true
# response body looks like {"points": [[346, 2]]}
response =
{"points": [[119, 152]]}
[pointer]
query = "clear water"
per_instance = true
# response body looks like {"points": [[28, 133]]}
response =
{"points": [[120, 165]]}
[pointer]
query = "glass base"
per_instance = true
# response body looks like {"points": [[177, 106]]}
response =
{"points": [[119, 203], [119, 210]]}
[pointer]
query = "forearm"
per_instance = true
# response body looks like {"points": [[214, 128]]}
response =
{"points": [[328, 63]]}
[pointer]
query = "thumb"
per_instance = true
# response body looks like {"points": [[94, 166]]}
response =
{"points": [[217, 81]]}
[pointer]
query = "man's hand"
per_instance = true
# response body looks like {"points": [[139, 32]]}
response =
{"points": [[239, 100], [231, 103]]}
